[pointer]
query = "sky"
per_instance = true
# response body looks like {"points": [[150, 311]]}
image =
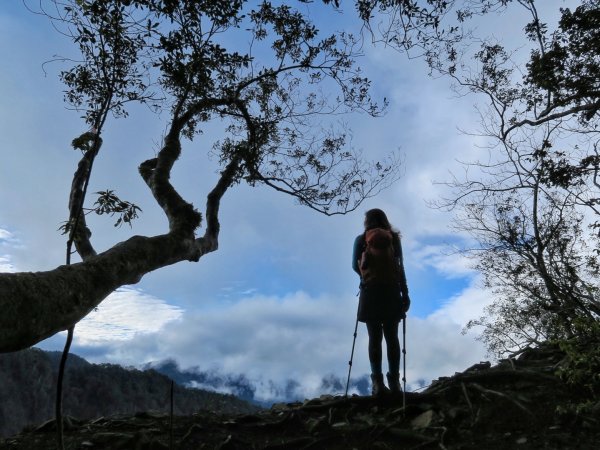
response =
{"points": [[278, 300]]}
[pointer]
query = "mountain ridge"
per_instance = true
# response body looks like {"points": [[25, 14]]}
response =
{"points": [[28, 383], [28, 386]]}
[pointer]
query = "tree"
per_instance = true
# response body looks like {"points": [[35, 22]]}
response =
{"points": [[174, 57], [531, 205], [534, 250]]}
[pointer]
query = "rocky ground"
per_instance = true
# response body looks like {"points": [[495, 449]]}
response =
{"points": [[517, 404]]}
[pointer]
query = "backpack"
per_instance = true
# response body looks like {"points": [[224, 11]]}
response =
{"points": [[378, 263]]}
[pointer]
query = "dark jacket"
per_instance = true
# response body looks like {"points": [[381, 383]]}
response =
{"points": [[381, 303]]}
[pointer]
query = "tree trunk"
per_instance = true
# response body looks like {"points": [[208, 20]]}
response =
{"points": [[36, 305]]}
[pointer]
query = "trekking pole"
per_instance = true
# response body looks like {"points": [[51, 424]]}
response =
{"points": [[351, 357], [404, 370]]}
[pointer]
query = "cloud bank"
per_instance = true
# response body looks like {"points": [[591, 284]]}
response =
{"points": [[123, 315], [276, 343]]}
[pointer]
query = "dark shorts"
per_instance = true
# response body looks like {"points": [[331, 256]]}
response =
{"points": [[380, 304]]}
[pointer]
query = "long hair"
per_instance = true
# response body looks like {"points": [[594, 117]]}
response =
{"points": [[376, 218]]}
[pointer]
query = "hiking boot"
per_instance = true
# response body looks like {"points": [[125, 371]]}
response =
{"points": [[394, 383], [379, 389]]}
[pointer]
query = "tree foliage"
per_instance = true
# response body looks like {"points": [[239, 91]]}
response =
{"points": [[264, 72], [531, 202], [535, 251]]}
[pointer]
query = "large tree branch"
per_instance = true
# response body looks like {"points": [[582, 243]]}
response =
{"points": [[44, 303], [156, 172], [37, 305], [590, 107], [210, 241], [182, 216], [79, 234]]}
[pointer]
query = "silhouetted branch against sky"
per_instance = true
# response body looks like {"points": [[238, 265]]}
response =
{"points": [[262, 71]]}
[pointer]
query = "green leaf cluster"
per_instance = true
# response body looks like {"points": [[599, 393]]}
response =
{"points": [[581, 368], [109, 203]]}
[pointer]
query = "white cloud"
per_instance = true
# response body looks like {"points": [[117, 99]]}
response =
{"points": [[8, 241], [272, 339], [124, 314], [444, 259], [444, 348], [466, 305], [5, 235], [6, 265]]}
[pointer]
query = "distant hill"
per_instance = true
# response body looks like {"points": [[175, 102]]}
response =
{"points": [[28, 389]]}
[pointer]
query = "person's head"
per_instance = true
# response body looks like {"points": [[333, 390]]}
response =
{"points": [[376, 218]]}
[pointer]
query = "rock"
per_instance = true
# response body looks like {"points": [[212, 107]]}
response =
{"points": [[422, 420]]}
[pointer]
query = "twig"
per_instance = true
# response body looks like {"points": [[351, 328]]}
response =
{"points": [[406, 435], [171, 418], [427, 443], [441, 440], [464, 389], [509, 374], [194, 427], [501, 394]]}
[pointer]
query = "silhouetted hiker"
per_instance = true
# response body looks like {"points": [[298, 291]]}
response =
{"points": [[384, 300]]}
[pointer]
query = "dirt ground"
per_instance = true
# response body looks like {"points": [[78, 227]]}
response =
{"points": [[517, 404]]}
